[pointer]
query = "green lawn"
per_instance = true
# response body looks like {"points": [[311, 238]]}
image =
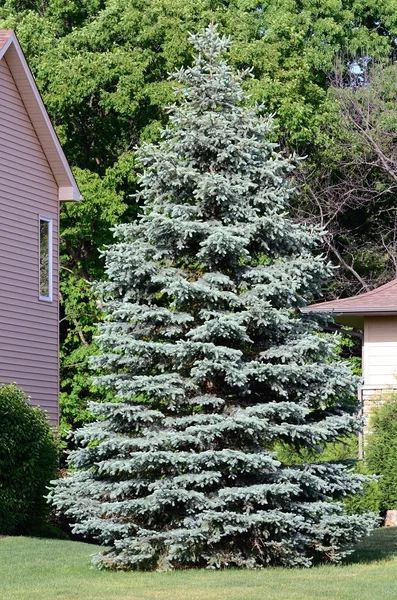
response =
{"points": [[36, 569]]}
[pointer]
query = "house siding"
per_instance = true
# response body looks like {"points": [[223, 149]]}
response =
{"points": [[28, 326], [380, 351]]}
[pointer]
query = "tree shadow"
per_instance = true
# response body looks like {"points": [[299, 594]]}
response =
{"points": [[381, 545]]}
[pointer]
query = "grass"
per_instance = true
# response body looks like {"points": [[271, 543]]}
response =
{"points": [[37, 569]]}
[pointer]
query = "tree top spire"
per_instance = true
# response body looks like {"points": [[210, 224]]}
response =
{"points": [[209, 42]]}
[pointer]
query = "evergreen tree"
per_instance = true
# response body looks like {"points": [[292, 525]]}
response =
{"points": [[211, 360]]}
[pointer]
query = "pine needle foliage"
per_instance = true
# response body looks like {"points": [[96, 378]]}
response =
{"points": [[210, 358]]}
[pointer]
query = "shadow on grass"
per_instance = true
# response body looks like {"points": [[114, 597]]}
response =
{"points": [[382, 545]]}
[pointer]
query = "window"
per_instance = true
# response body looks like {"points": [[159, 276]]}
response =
{"points": [[45, 284]]}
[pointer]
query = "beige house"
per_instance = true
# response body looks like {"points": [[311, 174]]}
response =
{"points": [[34, 178], [374, 312]]}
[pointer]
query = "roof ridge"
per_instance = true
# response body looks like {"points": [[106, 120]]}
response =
{"points": [[375, 290], [5, 35], [365, 301]]}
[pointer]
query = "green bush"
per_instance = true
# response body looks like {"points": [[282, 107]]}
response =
{"points": [[369, 500], [28, 461], [381, 450], [344, 450]]}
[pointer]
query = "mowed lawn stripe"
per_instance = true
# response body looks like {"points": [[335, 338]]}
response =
{"points": [[37, 569]]}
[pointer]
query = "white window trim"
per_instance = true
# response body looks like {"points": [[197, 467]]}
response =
{"points": [[48, 220]]}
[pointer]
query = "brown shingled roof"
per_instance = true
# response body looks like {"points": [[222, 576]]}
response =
{"points": [[4, 35], [381, 300]]}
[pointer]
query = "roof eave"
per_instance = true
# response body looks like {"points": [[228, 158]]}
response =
{"points": [[69, 194], [359, 312]]}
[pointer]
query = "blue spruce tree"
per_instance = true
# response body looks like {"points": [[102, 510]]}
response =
{"points": [[211, 360]]}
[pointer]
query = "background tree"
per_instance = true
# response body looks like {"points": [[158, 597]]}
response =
{"points": [[211, 360], [102, 68], [352, 180], [85, 227]]}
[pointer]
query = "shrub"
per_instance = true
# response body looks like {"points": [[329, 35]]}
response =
{"points": [[368, 500], [346, 450], [381, 450], [28, 461]]}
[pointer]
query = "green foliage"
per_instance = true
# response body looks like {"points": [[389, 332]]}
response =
{"points": [[350, 349], [125, 49], [102, 68], [342, 450], [85, 227], [345, 450], [76, 389], [369, 499], [210, 359], [381, 450], [45, 530], [28, 461], [351, 179]]}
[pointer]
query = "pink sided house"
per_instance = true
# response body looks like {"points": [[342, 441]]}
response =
{"points": [[34, 178]]}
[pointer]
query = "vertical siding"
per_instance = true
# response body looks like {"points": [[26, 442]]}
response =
{"points": [[28, 326], [380, 351]]}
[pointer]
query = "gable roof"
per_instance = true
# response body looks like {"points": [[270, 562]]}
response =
{"points": [[5, 34], [382, 300], [11, 52]]}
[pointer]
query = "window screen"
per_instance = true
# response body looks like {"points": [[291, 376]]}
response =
{"points": [[45, 258]]}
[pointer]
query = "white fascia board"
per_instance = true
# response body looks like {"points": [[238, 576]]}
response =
{"points": [[13, 54]]}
